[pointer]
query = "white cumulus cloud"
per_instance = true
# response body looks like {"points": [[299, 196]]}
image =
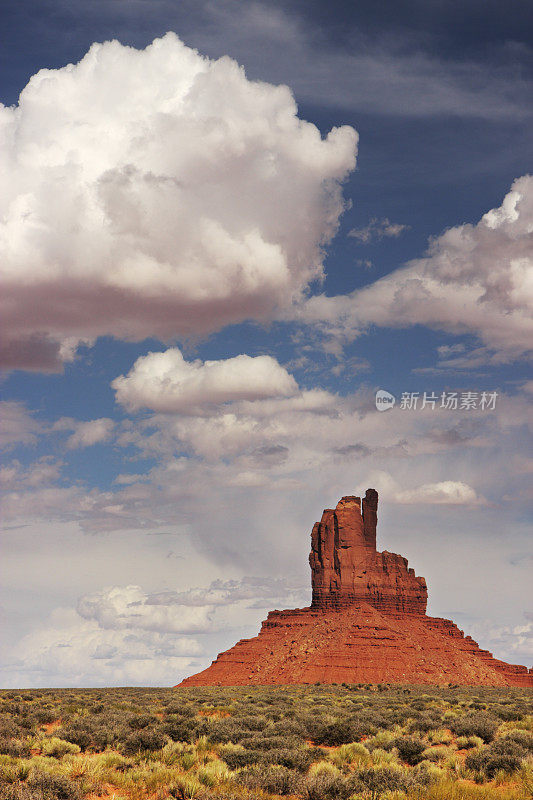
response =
{"points": [[67, 650], [91, 432], [447, 492], [441, 493], [475, 279], [157, 193], [42, 472], [17, 424], [125, 607], [165, 382]]}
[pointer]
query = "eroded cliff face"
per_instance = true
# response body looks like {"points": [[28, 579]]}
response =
{"points": [[367, 622], [346, 567], [358, 644]]}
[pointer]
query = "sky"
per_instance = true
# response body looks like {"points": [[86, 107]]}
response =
{"points": [[225, 226]]}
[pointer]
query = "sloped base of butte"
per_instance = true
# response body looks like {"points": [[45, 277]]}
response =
{"points": [[367, 623]]}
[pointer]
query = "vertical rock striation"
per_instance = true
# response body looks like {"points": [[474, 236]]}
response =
{"points": [[346, 568]]}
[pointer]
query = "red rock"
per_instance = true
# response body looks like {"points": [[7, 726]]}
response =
{"points": [[367, 622], [346, 567]]}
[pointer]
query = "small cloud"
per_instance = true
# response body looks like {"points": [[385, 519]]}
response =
{"points": [[17, 425], [92, 432], [350, 366], [166, 382], [85, 432], [456, 358], [447, 350], [375, 230], [453, 493], [43, 472], [125, 479]]}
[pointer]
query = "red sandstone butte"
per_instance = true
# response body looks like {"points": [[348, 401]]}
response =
{"points": [[367, 622]]}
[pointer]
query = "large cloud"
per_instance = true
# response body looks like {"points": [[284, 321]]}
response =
{"points": [[475, 279], [157, 193], [123, 633], [120, 608], [166, 382], [68, 650], [223, 462]]}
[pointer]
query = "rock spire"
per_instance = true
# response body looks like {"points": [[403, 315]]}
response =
{"points": [[346, 567]]}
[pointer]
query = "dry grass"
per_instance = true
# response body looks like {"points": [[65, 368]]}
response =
{"points": [[305, 743]]}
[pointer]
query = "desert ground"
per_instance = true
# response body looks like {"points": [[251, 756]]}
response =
{"points": [[319, 742]]}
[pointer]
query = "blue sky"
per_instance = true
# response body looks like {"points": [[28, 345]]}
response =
{"points": [[206, 280]]}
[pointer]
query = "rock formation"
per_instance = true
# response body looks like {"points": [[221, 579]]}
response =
{"points": [[367, 622], [346, 567]]}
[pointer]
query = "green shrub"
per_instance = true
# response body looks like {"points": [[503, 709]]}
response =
{"points": [[440, 736], [479, 724], [89, 734], [236, 758], [141, 721], [410, 749], [467, 742], [17, 748], [144, 739], [523, 738], [424, 723], [324, 786], [437, 753], [180, 729], [507, 714], [271, 742], [299, 759], [184, 788], [57, 748], [379, 780], [226, 730], [384, 740], [488, 763], [508, 747], [43, 786], [20, 792], [255, 723], [287, 727], [271, 779], [335, 733], [46, 715]]}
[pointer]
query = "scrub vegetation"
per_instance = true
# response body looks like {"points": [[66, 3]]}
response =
{"points": [[317, 742]]}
